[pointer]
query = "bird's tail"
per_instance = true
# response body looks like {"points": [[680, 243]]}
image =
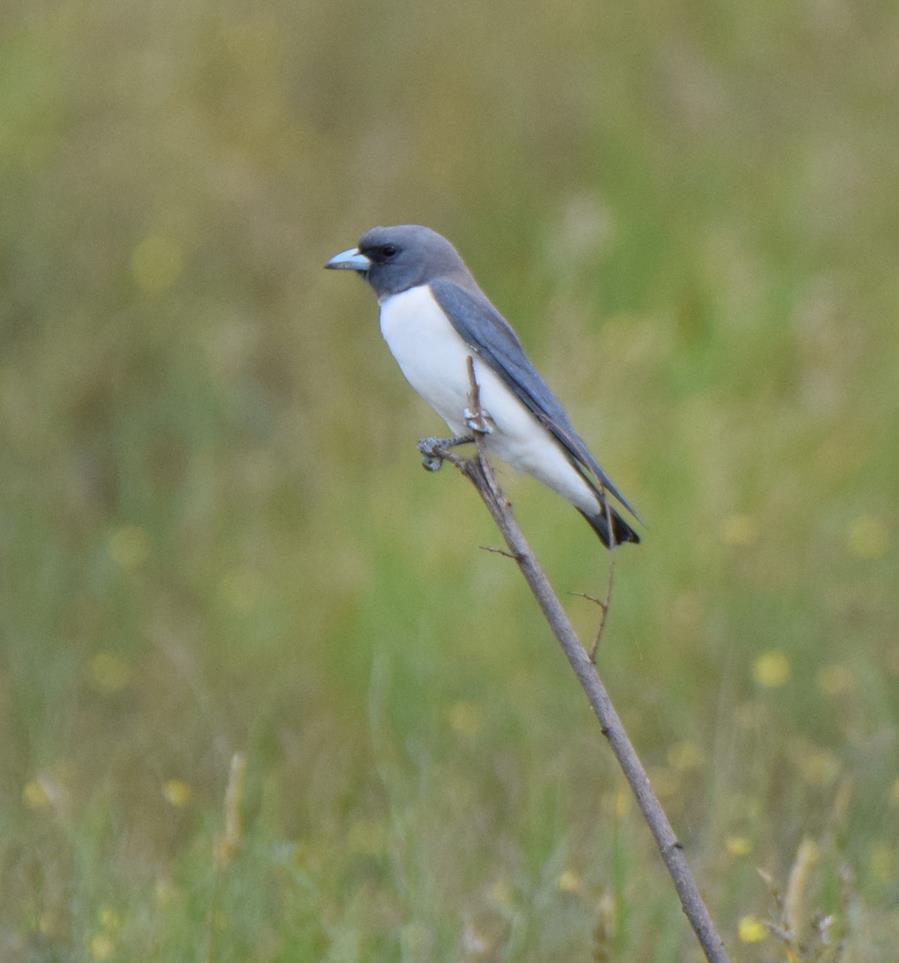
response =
{"points": [[621, 531]]}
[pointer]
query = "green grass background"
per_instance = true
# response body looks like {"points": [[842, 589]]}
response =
{"points": [[216, 537]]}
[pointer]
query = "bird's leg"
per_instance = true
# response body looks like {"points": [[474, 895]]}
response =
{"points": [[478, 421], [434, 450]]}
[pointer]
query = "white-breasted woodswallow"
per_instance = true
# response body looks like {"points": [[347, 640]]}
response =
{"points": [[433, 318]]}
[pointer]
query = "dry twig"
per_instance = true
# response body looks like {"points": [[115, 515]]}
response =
{"points": [[478, 471], [604, 606]]}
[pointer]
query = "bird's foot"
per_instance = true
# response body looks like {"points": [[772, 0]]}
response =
{"points": [[478, 421], [434, 450]]}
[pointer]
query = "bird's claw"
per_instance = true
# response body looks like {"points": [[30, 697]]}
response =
{"points": [[431, 453], [478, 421], [434, 451]]}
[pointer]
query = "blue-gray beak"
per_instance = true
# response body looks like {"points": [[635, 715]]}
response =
{"points": [[351, 260]]}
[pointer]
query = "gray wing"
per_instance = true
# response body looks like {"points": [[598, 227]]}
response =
{"points": [[491, 336]]}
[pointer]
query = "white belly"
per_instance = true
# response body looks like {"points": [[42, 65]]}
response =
{"points": [[434, 359]]}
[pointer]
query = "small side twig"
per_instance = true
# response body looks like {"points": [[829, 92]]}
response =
{"points": [[498, 551], [604, 605], [605, 610], [479, 472], [474, 400]]}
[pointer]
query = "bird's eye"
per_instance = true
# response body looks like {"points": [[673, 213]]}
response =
{"points": [[389, 250]]}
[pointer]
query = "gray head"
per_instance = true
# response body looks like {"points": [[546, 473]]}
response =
{"points": [[394, 259]]}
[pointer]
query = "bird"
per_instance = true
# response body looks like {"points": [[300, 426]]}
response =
{"points": [[434, 318]]}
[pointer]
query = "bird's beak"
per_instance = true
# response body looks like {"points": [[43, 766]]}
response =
{"points": [[351, 260]]}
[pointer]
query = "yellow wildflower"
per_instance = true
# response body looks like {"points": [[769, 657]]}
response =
{"points": [[751, 929], [35, 795], [569, 881], [738, 845], [771, 669], [177, 792], [101, 947]]}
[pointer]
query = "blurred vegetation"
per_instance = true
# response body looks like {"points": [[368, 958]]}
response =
{"points": [[216, 537]]}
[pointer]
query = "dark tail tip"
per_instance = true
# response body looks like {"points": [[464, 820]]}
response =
{"points": [[621, 530]]}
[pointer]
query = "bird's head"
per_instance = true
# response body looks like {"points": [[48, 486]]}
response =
{"points": [[394, 259]]}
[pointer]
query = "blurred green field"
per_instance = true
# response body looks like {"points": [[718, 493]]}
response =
{"points": [[216, 537]]}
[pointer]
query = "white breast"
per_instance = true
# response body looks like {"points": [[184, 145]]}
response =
{"points": [[434, 359], [429, 351]]}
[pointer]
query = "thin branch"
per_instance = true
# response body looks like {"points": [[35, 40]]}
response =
{"points": [[478, 471]]}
